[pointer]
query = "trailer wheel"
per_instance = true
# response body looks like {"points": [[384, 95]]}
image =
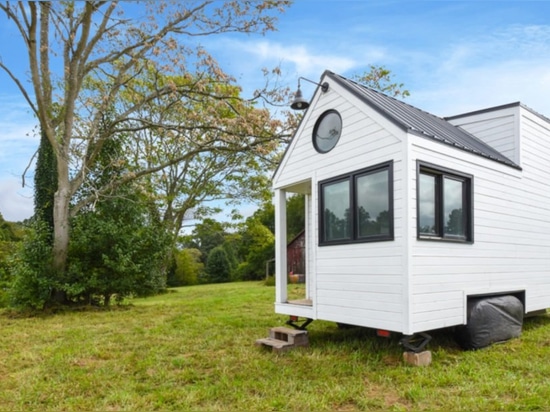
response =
{"points": [[490, 320]]}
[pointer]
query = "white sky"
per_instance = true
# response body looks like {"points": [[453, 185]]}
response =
{"points": [[453, 57]]}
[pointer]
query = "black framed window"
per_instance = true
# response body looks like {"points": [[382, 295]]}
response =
{"points": [[357, 207], [444, 204]]}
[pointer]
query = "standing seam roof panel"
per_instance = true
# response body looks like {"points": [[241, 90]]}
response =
{"points": [[420, 122]]}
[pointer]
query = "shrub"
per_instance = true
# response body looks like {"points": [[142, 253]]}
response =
{"points": [[218, 268], [31, 269], [115, 252], [188, 268]]}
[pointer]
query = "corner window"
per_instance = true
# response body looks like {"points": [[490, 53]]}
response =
{"points": [[357, 207], [444, 204]]}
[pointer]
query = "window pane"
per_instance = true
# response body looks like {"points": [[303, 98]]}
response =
{"points": [[337, 222], [453, 209], [373, 209], [426, 204]]}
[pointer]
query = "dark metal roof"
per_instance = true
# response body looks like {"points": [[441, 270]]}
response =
{"points": [[419, 122]]}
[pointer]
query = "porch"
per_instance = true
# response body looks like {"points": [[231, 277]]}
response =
{"points": [[294, 295]]}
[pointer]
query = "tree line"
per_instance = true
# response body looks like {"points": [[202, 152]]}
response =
{"points": [[141, 130]]}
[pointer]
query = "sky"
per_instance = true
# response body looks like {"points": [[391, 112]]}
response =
{"points": [[452, 56]]}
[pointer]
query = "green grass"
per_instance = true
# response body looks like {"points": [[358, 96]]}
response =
{"points": [[193, 349]]}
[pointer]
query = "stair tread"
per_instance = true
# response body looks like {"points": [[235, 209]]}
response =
{"points": [[288, 331], [277, 343]]}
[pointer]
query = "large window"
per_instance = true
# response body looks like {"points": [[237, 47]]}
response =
{"points": [[444, 204], [357, 207]]}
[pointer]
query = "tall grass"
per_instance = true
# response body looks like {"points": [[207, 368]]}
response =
{"points": [[193, 349]]}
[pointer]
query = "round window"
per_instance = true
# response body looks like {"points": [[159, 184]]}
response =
{"points": [[327, 131]]}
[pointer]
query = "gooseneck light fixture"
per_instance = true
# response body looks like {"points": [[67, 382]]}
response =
{"points": [[299, 102]]}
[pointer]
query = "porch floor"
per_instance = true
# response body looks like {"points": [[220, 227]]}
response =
{"points": [[301, 302]]}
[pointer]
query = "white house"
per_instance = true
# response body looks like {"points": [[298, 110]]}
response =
{"points": [[410, 215]]}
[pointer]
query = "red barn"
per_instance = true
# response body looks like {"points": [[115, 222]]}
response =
{"points": [[296, 262]]}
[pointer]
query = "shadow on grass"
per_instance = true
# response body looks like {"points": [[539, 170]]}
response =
{"points": [[359, 337], [367, 338], [13, 313]]}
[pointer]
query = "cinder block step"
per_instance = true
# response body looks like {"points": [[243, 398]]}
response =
{"points": [[282, 339], [423, 358], [296, 337]]}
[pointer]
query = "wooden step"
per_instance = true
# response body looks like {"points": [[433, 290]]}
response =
{"points": [[282, 339], [277, 345]]}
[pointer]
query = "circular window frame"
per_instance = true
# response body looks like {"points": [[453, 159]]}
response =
{"points": [[318, 123]]}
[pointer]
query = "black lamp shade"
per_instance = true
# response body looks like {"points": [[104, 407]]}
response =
{"points": [[299, 102]]}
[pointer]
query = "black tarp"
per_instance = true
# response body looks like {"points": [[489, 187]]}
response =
{"points": [[491, 320]]}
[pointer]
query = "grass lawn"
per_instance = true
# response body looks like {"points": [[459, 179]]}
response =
{"points": [[193, 349]]}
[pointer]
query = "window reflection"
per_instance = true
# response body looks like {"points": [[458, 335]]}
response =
{"points": [[426, 204], [357, 207], [373, 204], [336, 211], [453, 212], [444, 204]]}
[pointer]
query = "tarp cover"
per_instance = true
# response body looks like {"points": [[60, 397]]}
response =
{"points": [[490, 320]]}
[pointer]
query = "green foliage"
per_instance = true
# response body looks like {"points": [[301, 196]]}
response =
{"points": [[10, 236], [295, 215], [176, 101], [206, 236], [266, 215], [45, 182], [7, 249], [33, 277], [115, 251], [380, 78], [218, 268], [231, 247], [258, 247], [116, 248], [8, 231], [188, 268]]}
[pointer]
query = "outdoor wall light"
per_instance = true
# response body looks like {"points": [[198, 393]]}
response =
{"points": [[299, 102]]}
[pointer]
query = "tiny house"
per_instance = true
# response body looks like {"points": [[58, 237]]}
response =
{"points": [[410, 216]]}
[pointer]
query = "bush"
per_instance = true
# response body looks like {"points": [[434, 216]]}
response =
{"points": [[258, 246], [7, 249], [118, 254], [188, 268], [218, 268], [31, 270]]}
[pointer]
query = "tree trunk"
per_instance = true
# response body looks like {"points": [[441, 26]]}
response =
{"points": [[61, 239]]}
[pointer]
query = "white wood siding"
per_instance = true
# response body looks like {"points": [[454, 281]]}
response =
{"points": [[360, 284], [535, 153], [498, 129], [511, 249], [408, 285]]}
